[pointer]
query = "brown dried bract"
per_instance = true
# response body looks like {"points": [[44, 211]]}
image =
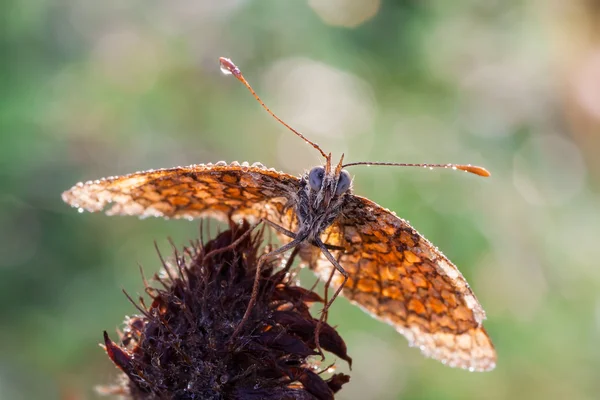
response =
{"points": [[394, 273], [182, 345]]}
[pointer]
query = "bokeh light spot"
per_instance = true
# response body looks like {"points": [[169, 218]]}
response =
{"points": [[320, 101], [587, 85], [129, 59], [548, 170], [347, 13]]}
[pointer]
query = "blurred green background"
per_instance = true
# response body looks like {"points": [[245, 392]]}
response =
{"points": [[92, 89]]}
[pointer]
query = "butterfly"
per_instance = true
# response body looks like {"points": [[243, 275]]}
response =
{"points": [[385, 266]]}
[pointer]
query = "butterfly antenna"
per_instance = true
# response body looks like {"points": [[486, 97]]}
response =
{"points": [[467, 168], [229, 68]]}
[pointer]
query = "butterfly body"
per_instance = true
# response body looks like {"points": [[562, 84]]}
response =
{"points": [[319, 201]]}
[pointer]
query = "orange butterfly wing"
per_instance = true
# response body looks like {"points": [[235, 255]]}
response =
{"points": [[219, 190], [399, 277]]}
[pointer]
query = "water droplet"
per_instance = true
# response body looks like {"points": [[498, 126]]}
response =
{"points": [[225, 70], [80, 210]]}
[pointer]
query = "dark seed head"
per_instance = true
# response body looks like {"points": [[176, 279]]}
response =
{"points": [[181, 347]]}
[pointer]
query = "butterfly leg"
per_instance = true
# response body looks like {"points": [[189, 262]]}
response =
{"points": [[342, 271], [259, 264], [330, 246], [326, 289], [292, 235], [279, 228]]}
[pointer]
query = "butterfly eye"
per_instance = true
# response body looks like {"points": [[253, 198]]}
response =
{"points": [[315, 178], [343, 183]]}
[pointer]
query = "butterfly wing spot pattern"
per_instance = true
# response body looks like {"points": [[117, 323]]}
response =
{"points": [[396, 275], [214, 190], [399, 277]]}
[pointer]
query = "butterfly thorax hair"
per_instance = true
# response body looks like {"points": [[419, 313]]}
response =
{"points": [[321, 198]]}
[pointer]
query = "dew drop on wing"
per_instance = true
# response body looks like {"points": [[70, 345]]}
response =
{"points": [[80, 210]]}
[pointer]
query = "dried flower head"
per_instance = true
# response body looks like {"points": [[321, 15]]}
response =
{"points": [[181, 346]]}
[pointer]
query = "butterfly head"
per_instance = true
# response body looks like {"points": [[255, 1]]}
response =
{"points": [[326, 184]]}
